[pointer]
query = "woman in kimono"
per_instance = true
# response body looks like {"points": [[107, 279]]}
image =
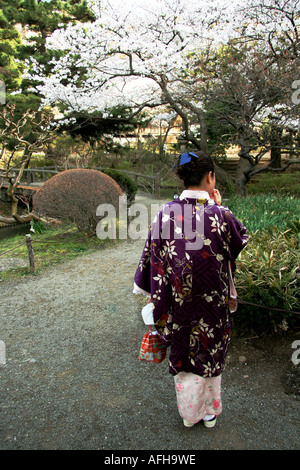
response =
{"points": [[184, 269]]}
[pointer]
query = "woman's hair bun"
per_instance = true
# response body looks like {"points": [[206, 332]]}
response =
{"points": [[193, 172]]}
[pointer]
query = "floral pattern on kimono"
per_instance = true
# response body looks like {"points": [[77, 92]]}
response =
{"points": [[189, 283]]}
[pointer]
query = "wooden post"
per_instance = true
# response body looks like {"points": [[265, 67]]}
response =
{"points": [[30, 253]]}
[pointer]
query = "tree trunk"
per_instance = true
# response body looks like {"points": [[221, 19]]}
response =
{"points": [[12, 186], [244, 166], [203, 127], [275, 141], [222, 177], [20, 219], [241, 179]]}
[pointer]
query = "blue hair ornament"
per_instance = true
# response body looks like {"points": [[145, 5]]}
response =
{"points": [[186, 157]]}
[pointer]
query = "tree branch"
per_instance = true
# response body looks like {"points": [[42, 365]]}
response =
{"points": [[274, 170]]}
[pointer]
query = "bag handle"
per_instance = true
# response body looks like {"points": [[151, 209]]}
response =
{"points": [[231, 283]]}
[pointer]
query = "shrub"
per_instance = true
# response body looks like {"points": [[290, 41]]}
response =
{"points": [[268, 275], [38, 226], [127, 185], [75, 195]]}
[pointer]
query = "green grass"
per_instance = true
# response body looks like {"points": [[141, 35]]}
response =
{"points": [[260, 211], [52, 246], [285, 184]]}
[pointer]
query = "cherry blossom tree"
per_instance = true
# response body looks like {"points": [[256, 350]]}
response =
{"points": [[250, 100], [136, 54]]}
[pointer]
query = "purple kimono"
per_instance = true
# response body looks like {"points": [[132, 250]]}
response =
{"points": [[184, 266]]}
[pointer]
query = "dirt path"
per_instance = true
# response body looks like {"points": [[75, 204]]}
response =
{"points": [[72, 379]]}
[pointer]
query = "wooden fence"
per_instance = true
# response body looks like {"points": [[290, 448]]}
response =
{"points": [[148, 183]]}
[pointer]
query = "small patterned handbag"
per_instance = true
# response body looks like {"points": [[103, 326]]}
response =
{"points": [[152, 348]]}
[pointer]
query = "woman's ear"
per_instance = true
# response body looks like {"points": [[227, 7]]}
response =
{"points": [[209, 177]]}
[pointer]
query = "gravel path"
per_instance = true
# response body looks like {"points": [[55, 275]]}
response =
{"points": [[72, 379]]}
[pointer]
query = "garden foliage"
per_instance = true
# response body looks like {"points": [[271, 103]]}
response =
{"points": [[127, 185], [261, 211], [268, 268], [75, 195], [268, 275]]}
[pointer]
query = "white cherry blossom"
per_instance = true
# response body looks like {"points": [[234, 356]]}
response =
{"points": [[135, 53]]}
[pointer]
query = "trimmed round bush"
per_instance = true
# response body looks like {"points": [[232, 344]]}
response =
{"points": [[75, 195]]}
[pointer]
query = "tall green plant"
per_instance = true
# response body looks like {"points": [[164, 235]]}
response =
{"points": [[268, 275], [263, 211]]}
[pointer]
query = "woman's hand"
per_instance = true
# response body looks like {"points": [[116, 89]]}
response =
{"points": [[216, 196]]}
